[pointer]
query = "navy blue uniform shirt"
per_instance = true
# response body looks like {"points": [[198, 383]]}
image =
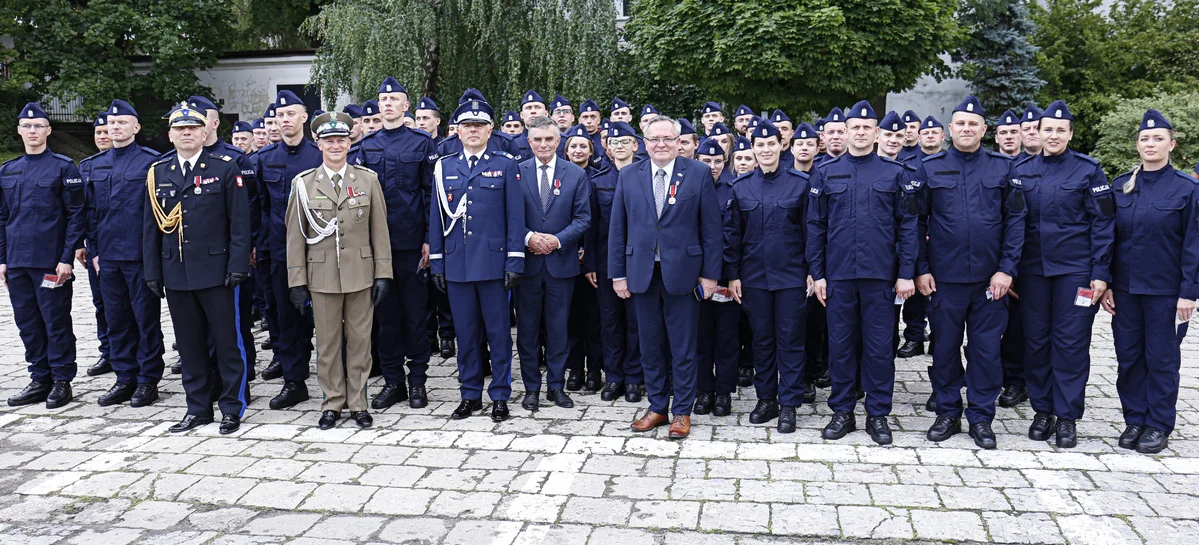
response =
{"points": [[765, 231], [42, 219], [116, 194], [1157, 235], [403, 159], [277, 165]]}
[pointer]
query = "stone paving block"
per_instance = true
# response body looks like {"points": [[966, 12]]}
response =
{"points": [[1059, 479], [948, 457], [556, 534], [864, 473], [530, 507], [644, 488], [708, 449], [801, 471], [1030, 528], [102, 485], [765, 451], [929, 475], [224, 466], [614, 465], [59, 460], [108, 461], [327, 452], [548, 444], [594, 445], [291, 524], [346, 498], [497, 480], [331, 472], [738, 469], [875, 522], [1133, 464], [437, 457], [217, 490], [1173, 505], [654, 448], [473, 532], [804, 520], [998, 478], [1070, 460], [115, 536], [34, 508], [464, 504], [1042, 500], [735, 517], [960, 498], [826, 452], [102, 513], [566, 462], [155, 515], [597, 511], [393, 476], [619, 536], [837, 494], [224, 520], [948, 525], [770, 491], [665, 514], [451, 479], [1111, 502], [1165, 531], [274, 468], [705, 489], [400, 501], [904, 495], [50, 482], [1088, 530], [353, 528], [575, 484], [496, 459]]}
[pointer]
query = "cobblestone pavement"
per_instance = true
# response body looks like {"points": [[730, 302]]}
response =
{"points": [[91, 475]]}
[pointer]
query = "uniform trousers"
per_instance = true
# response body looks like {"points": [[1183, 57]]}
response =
{"points": [[958, 310], [618, 333], [199, 315], [292, 347], [719, 347], [343, 330], [777, 318], [400, 322], [481, 315], [1011, 346], [440, 318], [98, 302], [1149, 355], [43, 319], [586, 350], [861, 327], [1057, 357], [134, 317]]}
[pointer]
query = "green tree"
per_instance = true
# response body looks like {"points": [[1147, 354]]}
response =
{"points": [[800, 55], [438, 48], [1116, 148], [273, 24], [87, 48], [996, 57]]}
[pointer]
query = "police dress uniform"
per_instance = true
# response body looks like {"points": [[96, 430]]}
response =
{"points": [[1156, 262], [971, 223], [498, 143], [196, 246], [1068, 243], [42, 223], [861, 238]]}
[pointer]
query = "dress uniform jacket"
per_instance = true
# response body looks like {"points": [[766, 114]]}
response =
{"points": [[489, 240], [497, 143], [363, 256]]}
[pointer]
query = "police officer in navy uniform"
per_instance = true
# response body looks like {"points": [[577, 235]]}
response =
{"points": [[403, 160], [719, 320], [1155, 281], [498, 143], [972, 215], [911, 143], [1030, 131], [476, 254], [1011, 347], [196, 251], [741, 119], [428, 117], [115, 199], [1069, 237], [277, 165], [765, 238], [103, 143], [42, 223], [531, 106], [592, 120], [861, 254], [242, 137]]}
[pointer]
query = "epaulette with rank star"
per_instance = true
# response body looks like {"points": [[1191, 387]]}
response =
{"points": [[224, 158], [162, 161]]}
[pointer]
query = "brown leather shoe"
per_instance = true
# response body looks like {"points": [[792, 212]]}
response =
{"points": [[680, 428], [650, 421]]}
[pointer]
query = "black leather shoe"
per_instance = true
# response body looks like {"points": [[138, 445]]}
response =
{"points": [[593, 384], [362, 418], [1013, 395], [388, 396], [36, 392], [466, 408], [560, 398], [612, 390], [229, 424], [417, 398], [878, 429], [786, 422], [745, 376], [931, 404], [60, 394], [574, 381], [268, 345], [1152, 441], [944, 428], [499, 411], [177, 368], [982, 435], [1131, 435], [723, 405], [448, 349], [809, 392], [144, 395], [1042, 427], [101, 367], [328, 419], [703, 403], [823, 380], [839, 425], [634, 392], [1067, 434], [765, 411], [292, 394], [531, 402], [273, 370], [119, 393], [190, 422], [910, 349]]}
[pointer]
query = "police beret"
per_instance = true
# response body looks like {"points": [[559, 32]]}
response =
{"points": [[1008, 117], [804, 131], [892, 122], [718, 129], [1031, 113], [287, 98], [559, 102], [426, 103], [120, 107], [242, 126], [474, 111], [370, 107], [1154, 120], [779, 116], [686, 127], [648, 109], [711, 108], [183, 115], [620, 129], [510, 116], [471, 94], [753, 123], [1057, 110], [329, 124], [391, 85], [588, 105], [820, 125], [409, 115], [835, 115], [742, 143], [709, 147], [202, 103], [531, 96], [33, 110], [101, 119], [743, 110], [971, 105], [577, 131], [259, 124], [617, 104], [354, 110], [931, 122], [765, 129], [911, 116], [270, 111], [861, 110], [605, 123]]}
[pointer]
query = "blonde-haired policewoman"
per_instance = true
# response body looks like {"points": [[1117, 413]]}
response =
{"points": [[339, 259]]}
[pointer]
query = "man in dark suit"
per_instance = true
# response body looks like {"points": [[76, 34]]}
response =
{"points": [[665, 238], [557, 214]]}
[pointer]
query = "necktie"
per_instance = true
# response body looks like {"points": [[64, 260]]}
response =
{"points": [[337, 182], [472, 161], [660, 190], [187, 170], [545, 188]]}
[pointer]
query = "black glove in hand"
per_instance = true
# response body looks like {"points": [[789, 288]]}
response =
{"points": [[511, 279], [379, 291], [299, 297], [233, 279], [156, 288], [439, 282]]}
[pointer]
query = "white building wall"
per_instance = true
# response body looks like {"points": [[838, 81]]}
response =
{"points": [[245, 86]]}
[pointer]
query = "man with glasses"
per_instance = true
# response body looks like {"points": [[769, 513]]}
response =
{"points": [[41, 225], [665, 238]]}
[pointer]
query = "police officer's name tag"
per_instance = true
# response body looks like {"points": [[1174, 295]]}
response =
{"points": [[1084, 297], [50, 281]]}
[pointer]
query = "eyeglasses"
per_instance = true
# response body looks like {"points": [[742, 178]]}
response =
{"points": [[32, 127], [660, 141], [620, 143]]}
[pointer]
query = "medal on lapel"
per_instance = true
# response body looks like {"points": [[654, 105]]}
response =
{"points": [[557, 186], [197, 191], [673, 189]]}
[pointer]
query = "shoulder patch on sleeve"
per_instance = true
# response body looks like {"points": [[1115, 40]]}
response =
{"points": [[1017, 183], [814, 191], [1101, 189]]}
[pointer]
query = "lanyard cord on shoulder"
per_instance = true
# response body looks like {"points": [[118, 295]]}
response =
{"points": [[321, 230], [444, 202], [167, 223]]}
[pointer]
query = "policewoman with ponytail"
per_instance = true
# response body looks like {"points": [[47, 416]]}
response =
{"points": [[1155, 281]]}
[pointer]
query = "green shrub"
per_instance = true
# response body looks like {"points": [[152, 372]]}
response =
{"points": [[1116, 148]]}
